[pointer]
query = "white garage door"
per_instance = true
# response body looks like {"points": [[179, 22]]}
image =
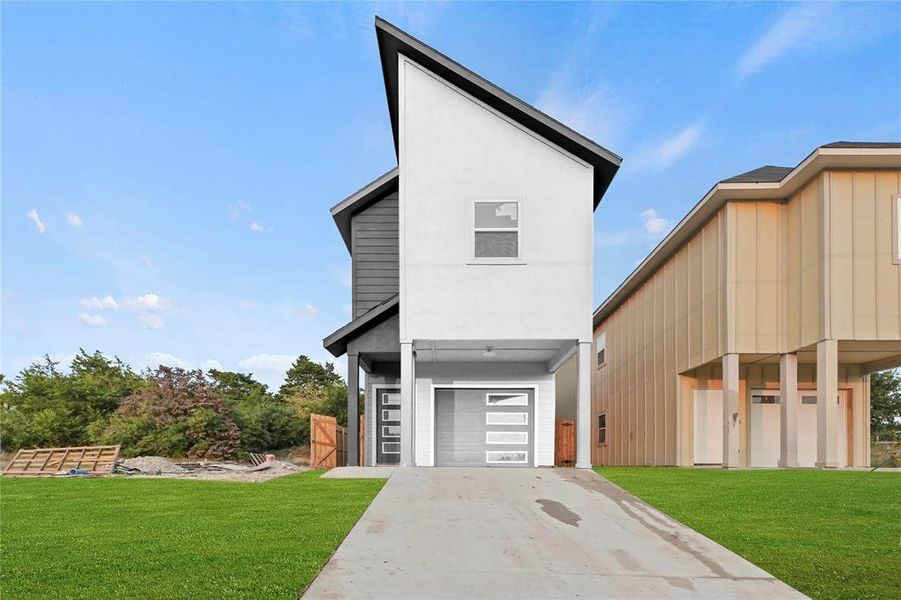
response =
{"points": [[766, 418], [708, 427], [483, 427]]}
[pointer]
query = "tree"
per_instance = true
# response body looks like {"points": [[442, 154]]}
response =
{"points": [[305, 372], [885, 404], [266, 423], [43, 406], [178, 413]]}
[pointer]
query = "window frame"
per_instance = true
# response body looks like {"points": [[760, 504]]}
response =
{"points": [[603, 442], [597, 350], [472, 259]]}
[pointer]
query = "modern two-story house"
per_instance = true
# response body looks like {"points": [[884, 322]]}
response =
{"points": [[472, 272], [746, 338]]}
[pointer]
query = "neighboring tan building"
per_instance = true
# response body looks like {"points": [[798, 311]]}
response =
{"points": [[747, 337], [472, 272]]}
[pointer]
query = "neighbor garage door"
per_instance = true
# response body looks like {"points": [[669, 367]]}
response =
{"points": [[484, 427]]}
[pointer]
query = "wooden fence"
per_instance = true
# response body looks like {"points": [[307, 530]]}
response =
{"points": [[328, 442], [565, 443]]}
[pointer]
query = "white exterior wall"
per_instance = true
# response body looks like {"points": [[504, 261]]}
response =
{"points": [[453, 151], [485, 374]]}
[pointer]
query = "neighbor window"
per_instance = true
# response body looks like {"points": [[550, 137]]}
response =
{"points": [[601, 344], [602, 429], [496, 230]]}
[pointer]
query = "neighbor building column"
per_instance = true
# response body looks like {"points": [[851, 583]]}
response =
{"points": [[788, 424], [353, 410], [731, 429], [827, 403], [407, 397], [583, 403]]}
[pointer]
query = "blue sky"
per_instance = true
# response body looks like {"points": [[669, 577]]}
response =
{"points": [[167, 169]]}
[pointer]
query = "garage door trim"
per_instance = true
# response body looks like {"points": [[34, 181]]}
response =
{"points": [[486, 385]]}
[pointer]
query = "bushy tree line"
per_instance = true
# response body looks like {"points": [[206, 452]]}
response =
{"points": [[166, 411]]}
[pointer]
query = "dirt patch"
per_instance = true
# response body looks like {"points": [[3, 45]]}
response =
{"points": [[159, 467]]}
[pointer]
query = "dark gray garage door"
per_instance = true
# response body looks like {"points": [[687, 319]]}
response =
{"points": [[484, 427]]}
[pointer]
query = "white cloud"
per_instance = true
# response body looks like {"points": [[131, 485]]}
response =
{"points": [[155, 359], [817, 25], [96, 303], [74, 220], [92, 320], [268, 362], [149, 303], [237, 209], [591, 110], [33, 215], [308, 310], [255, 227], [211, 363], [668, 151], [268, 368], [653, 223], [152, 321], [147, 261]]}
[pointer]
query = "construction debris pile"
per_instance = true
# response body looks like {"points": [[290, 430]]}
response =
{"points": [[86, 461], [157, 466]]}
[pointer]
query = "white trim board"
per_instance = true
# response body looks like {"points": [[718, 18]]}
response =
{"points": [[486, 385]]}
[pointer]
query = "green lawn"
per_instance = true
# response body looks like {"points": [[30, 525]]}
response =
{"points": [[827, 534], [165, 538]]}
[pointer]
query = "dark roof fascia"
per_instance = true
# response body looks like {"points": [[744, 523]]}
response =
{"points": [[393, 41], [862, 145], [347, 208], [336, 343]]}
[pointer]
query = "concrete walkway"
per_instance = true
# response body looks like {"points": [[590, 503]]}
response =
{"points": [[528, 533]]}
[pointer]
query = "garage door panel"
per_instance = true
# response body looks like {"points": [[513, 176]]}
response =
{"points": [[479, 427]]}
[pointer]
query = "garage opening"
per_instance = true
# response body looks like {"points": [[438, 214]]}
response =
{"points": [[484, 427]]}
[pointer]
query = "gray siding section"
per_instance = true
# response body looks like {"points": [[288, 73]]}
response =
{"points": [[374, 237]]}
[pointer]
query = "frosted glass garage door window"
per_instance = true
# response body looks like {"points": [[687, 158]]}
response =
{"points": [[390, 430], [507, 418], [390, 447], [496, 230], [390, 415], [506, 437], [507, 400], [390, 399], [508, 457]]}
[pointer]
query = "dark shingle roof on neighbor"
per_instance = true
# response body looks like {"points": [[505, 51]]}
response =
{"points": [[766, 174]]}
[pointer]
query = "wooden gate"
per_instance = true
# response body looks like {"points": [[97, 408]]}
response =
{"points": [[328, 442], [565, 443]]}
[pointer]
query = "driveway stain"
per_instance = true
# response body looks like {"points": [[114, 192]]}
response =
{"points": [[559, 511]]}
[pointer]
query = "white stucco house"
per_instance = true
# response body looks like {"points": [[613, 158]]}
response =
{"points": [[472, 272]]}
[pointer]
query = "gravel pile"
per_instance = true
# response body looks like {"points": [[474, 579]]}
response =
{"points": [[153, 465]]}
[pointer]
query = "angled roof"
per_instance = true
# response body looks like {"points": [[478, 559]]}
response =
{"points": [[344, 210], [766, 174], [336, 343], [393, 41], [764, 183]]}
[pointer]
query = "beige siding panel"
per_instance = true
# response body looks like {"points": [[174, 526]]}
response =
{"points": [[695, 301], [842, 254], [793, 245], [769, 278], [711, 290], [811, 251], [864, 258], [888, 275], [745, 245]]}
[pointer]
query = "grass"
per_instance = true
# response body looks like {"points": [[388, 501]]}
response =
{"points": [[827, 534], [165, 538]]}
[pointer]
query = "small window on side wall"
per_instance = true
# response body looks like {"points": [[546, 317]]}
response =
{"points": [[496, 231], [602, 429], [601, 344]]}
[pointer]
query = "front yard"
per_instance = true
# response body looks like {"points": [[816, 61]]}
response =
{"points": [[827, 534], [163, 538]]}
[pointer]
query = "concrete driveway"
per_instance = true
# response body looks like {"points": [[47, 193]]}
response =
{"points": [[528, 533]]}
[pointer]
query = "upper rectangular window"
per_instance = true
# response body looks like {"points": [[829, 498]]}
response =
{"points": [[601, 344], [496, 231]]}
